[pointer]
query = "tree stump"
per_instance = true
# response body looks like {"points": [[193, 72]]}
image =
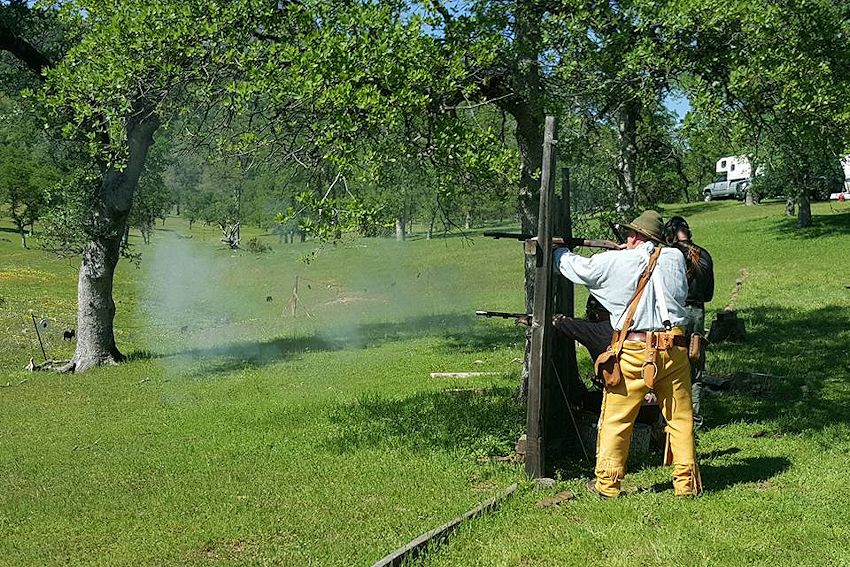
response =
{"points": [[726, 327]]}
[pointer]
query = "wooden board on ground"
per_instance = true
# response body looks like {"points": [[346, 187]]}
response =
{"points": [[431, 538], [462, 374]]}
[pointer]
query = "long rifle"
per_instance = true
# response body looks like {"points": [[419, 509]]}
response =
{"points": [[521, 318], [557, 241], [502, 314]]}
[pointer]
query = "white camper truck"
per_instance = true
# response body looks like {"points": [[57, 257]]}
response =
{"points": [[733, 176]]}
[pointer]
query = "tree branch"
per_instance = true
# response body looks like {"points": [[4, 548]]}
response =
{"points": [[23, 50]]}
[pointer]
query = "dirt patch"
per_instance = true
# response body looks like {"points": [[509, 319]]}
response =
{"points": [[226, 549], [556, 500]]}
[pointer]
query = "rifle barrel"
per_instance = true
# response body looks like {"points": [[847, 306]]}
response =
{"points": [[606, 244], [501, 314], [512, 235]]}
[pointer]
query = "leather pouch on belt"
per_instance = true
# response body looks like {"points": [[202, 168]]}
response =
{"points": [[649, 370], [607, 367], [663, 341], [696, 347]]}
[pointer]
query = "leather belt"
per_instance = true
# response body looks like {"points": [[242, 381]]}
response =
{"points": [[640, 336]]}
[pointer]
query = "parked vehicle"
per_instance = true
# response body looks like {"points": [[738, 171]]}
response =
{"points": [[735, 173], [733, 178]]}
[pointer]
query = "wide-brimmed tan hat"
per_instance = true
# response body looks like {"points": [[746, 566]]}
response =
{"points": [[649, 224]]}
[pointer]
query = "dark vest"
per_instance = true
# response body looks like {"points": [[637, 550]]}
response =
{"points": [[700, 273]]}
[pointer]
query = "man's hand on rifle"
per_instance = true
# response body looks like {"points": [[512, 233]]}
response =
{"points": [[524, 320]]}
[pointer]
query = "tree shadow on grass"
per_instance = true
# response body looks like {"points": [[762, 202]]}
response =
{"points": [[460, 333], [697, 208], [251, 354], [745, 471], [801, 358], [135, 355], [483, 423], [822, 225]]}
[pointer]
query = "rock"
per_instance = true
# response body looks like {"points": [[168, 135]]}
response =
{"points": [[545, 482], [521, 447]]}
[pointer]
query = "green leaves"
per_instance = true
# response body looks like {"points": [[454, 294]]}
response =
{"points": [[783, 88]]}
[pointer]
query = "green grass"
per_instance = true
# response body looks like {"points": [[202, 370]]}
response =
{"points": [[242, 435]]}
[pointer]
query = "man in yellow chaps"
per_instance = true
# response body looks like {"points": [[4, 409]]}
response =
{"points": [[652, 350]]}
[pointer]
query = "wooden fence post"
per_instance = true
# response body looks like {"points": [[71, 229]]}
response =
{"points": [[541, 330]]}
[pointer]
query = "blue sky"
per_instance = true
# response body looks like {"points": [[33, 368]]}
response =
{"points": [[678, 104]]}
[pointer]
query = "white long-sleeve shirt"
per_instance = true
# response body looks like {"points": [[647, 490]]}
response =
{"points": [[611, 277]]}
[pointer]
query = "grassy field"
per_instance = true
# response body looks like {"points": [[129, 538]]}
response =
{"points": [[243, 434]]}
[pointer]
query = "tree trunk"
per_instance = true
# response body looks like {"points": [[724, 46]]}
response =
{"points": [[529, 135], [527, 111], [804, 210], [399, 228], [23, 234], [95, 306], [627, 121], [749, 199], [682, 175], [789, 207], [432, 217]]}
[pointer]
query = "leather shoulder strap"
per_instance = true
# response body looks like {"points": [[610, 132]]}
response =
{"points": [[633, 302]]}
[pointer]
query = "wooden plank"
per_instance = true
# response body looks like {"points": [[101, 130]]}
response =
{"points": [[565, 382], [462, 374], [542, 311], [566, 300], [436, 536]]}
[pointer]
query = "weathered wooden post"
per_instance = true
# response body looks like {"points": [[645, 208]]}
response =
{"points": [[564, 385], [565, 299], [541, 329]]}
